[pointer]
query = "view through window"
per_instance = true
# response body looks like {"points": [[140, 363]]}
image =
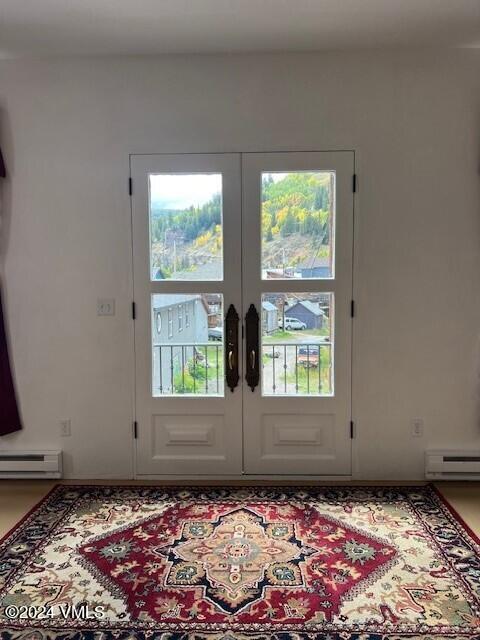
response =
{"points": [[187, 344], [186, 241], [298, 225], [297, 344]]}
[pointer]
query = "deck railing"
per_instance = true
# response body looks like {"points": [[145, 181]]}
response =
{"points": [[297, 368], [195, 368], [288, 368]]}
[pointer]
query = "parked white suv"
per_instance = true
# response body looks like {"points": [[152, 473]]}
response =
{"points": [[292, 324]]}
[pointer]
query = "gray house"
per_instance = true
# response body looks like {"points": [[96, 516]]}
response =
{"points": [[316, 268], [308, 312], [176, 320], [269, 317]]}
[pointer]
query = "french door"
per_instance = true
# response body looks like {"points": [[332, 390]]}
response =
{"points": [[186, 258], [243, 284]]}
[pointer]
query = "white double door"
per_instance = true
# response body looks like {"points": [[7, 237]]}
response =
{"points": [[243, 287]]}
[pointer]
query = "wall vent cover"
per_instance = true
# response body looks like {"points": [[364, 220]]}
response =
{"points": [[30, 464], [447, 464]]}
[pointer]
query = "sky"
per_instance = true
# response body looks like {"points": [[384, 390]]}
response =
{"points": [[276, 176], [180, 191]]}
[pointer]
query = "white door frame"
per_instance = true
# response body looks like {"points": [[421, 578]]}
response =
{"points": [[185, 477]]}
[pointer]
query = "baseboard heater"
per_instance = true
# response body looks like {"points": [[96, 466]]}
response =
{"points": [[452, 465], [30, 464]]}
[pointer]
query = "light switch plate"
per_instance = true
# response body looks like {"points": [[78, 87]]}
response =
{"points": [[105, 307]]}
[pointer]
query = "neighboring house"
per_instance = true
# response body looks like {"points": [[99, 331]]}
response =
{"points": [[269, 317], [324, 301], [214, 306], [176, 320], [308, 312], [316, 268], [211, 269]]}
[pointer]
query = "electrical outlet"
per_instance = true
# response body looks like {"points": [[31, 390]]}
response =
{"points": [[105, 307], [65, 428], [417, 427]]}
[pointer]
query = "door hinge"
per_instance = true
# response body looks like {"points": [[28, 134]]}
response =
{"points": [[130, 186], [134, 311], [352, 429], [135, 429], [352, 308], [354, 183]]}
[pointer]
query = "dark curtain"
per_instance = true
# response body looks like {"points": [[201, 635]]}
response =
{"points": [[9, 416]]}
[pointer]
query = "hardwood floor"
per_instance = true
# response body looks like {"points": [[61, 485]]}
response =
{"points": [[17, 497], [465, 499]]}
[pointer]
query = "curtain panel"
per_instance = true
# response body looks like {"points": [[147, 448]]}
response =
{"points": [[9, 414]]}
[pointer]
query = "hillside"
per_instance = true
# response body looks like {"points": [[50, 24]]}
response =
{"points": [[294, 226]]}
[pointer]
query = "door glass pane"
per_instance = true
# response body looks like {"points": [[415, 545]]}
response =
{"points": [[187, 344], [186, 236], [297, 344], [298, 224]]}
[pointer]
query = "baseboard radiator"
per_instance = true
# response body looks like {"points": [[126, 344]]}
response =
{"points": [[30, 464], [452, 465]]}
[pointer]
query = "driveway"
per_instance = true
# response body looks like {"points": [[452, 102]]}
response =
{"points": [[285, 363]]}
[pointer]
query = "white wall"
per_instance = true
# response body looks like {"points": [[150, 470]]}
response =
{"points": [[67, 127]]}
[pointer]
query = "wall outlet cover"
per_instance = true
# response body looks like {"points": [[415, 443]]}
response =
{"points": [[417, 427], [65, 428], [105, 307]]}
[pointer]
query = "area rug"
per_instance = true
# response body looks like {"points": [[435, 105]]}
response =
{"points": [[149, 563]]}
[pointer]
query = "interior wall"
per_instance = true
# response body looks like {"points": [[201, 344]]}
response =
{"points": [[67, 128]]}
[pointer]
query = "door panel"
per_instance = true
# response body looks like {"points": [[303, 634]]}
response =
{"points": [[186, 226], [298, 227]]}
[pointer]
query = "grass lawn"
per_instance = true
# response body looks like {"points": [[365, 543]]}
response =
{"points": [[197, 377], [277, 336], [307, 380], [295, 336]]}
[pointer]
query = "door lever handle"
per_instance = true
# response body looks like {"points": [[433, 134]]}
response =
{"points": [[252, 321], [231, 348]]}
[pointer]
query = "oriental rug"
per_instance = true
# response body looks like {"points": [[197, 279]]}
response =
{"points": [[150, 563]]}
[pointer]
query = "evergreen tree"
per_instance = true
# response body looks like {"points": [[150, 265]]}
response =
{"points": [[289, 225]]}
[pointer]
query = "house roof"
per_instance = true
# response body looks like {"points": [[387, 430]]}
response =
{"points": [[208, 271], [314, 264], [275, 274], [161, 301], [268, 306], [313, 307]]}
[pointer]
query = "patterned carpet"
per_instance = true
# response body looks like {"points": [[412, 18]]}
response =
{"points": [[149, 563]]}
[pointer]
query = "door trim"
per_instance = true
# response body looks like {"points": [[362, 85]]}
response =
{"points": [[245, 477]]}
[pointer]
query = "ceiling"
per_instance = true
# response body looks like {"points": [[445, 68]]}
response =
{"points": [[32, 28]]}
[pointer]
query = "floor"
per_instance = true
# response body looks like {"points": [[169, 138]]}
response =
{"points": [[17, 497]]}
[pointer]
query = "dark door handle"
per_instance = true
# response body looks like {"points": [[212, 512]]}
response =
{"points": [[231, 348], [252, 341]]}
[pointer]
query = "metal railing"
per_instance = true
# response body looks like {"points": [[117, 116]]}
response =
{"points": [[195, 368], [288, 368], [297, 368]]}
